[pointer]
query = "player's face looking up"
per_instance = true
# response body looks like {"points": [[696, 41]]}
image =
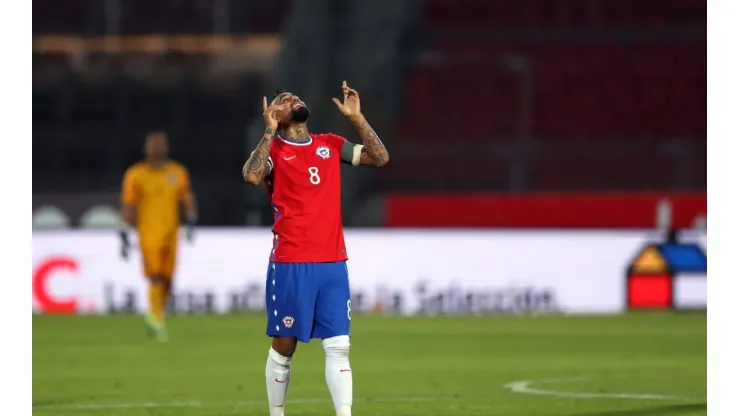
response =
{"points": [[156, 146], [296, 111]]}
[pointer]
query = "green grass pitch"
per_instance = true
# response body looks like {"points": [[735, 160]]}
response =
{"points": [[214, 365]]}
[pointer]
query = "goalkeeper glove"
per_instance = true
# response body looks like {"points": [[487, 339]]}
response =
{"points": [[190, 228], [125, 242]]}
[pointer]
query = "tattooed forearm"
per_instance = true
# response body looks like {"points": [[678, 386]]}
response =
{"points": [[374, 152], [258, 164]]}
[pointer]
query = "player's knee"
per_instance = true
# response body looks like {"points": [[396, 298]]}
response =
{"points": [[336, 346], [157, 279], [285, 346], [279, 358]]}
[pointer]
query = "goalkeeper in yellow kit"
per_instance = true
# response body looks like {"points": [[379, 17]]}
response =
{"points": [[156, 191]]}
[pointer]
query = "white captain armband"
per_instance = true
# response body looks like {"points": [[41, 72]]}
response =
{"points": [[351, 153]]}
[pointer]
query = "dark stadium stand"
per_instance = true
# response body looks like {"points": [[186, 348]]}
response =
{"points": [[496, 95], [624, 81]]}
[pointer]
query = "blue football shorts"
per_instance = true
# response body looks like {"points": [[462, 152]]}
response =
{"points": [[308, 300]]}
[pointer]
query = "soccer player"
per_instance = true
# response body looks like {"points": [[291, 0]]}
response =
{"points": [[307, 294], [154, 192]]}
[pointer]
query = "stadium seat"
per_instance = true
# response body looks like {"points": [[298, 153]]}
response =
{"points": [[49, 218]]}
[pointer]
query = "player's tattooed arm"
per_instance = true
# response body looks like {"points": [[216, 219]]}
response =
{"points": [[259, 165], [374, 152]]}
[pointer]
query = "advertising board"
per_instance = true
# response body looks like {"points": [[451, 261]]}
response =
{"points": [[433, 272]]}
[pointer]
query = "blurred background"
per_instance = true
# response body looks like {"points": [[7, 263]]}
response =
{"points": [[550, 138], [547, 97]]}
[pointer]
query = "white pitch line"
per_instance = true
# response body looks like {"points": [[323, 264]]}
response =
{"points": [[98, 406], [103, 406], [523, 387]]}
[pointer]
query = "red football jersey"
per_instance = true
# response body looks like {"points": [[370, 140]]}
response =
{"points": [[304, 187]]}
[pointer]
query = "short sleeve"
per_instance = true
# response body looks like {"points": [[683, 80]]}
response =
{"points": [[269, 164], [349, 152], [271, 156], [184, 192], [334, 141], [130, 193]]}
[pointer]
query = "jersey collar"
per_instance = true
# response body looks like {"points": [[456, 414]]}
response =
{"points": [[310, 139]]}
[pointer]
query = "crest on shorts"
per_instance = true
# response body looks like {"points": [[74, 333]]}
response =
{"points": [[288, 321], [323, 152]]}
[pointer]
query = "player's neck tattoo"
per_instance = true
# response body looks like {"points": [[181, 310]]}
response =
{"points": [[295, 133]]}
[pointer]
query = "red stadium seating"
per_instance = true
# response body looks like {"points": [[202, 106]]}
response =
{"points": [[580, 92], [479, 102], [598, 170], [541, 14], [560, 84]]}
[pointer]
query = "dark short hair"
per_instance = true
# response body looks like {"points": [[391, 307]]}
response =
{"points": [[277, 92], [156, 132]]}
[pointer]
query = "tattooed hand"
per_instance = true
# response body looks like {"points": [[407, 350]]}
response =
{"points": [[258, 165], [351, 105], [374, 152], [270, 114]]}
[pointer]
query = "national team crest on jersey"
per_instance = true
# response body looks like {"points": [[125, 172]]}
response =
{"points": [[288, 321], [323, 152], [172, 178]]}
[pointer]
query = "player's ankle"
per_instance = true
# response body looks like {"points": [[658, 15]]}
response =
{"points": [[276, 411], [344, 411]]}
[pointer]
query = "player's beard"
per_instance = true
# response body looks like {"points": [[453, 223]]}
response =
{"points": [[300, 114]]}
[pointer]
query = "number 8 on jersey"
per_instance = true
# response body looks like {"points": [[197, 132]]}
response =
{"points": [[314, 175]]}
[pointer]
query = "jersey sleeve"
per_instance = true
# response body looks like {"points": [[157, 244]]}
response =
{"points": [[271, 157], [185, 190], [334, 141], [130, 194], [349, 152]]}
